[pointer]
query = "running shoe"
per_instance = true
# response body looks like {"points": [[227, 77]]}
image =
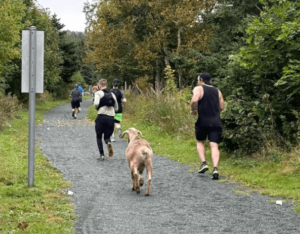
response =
{"points": [[73, 113], [203, 168], [101, 157], [110, 149], [75, 117], [113, 139], [120, 132], [215, 174]]}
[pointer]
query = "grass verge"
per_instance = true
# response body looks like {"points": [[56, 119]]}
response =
{"points": [[43, 208]]}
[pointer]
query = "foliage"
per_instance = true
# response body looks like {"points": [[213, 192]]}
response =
{"points": [[228, 23], [263, 106], [9, 106], [137, 38], [71, 45], [40, 18], [167, 111], [77, 78], [169, 76], [11, 13]]}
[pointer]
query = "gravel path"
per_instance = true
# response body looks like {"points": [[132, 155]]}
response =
{"points": [[180, 201]]}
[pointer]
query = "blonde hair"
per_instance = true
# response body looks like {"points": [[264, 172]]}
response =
{"points": [[102, 82]]}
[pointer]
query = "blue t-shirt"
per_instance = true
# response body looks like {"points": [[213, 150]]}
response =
{"points": [[80, 89]]}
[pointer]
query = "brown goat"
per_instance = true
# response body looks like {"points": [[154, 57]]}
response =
{"points": [[139, 156]]}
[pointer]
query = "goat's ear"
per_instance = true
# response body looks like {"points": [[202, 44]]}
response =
{"points": [[139, 132], [123, 134]]}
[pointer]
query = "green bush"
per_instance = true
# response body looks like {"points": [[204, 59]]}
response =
{"points": [[254, 125]]}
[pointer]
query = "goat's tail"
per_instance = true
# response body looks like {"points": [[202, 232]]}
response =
{"points": [[147, 152]]}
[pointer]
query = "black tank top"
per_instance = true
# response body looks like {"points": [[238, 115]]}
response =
{"points": [[118, 95], [209, 108]]}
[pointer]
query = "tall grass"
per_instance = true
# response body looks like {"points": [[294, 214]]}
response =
{"points": [[170, 113], [9, 105]]}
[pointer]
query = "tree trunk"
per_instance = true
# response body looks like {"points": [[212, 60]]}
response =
{"points": [[180, 77], [178, 40], [167, 60], [179, 70], [157, 77]]}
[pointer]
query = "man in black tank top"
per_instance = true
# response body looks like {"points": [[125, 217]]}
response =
{"points": [[208, 101]]}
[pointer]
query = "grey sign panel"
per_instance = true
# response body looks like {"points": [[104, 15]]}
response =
{"points": [[39, 61]]}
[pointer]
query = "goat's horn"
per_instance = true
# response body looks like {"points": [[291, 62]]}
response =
{"points": [[123, 134], [139, 132]]}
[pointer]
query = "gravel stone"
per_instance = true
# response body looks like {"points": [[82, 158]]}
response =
{"points": [[180, 201]]}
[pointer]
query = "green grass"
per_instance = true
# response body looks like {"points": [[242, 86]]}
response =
{"points": [[43, 208]]}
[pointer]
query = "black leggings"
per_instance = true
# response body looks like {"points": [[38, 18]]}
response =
{"points": [[104, 125]]}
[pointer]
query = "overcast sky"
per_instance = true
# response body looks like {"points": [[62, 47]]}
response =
{"points": [[68, 11]]}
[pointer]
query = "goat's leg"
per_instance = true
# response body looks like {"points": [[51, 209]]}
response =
{"points": [[149, 173], [141, 179], [132, 177], [136, 181]]}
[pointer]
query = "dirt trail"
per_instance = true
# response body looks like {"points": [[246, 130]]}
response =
{"points": [[180, 201]]}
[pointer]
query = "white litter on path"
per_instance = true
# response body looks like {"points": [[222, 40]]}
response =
{"points": [[279, 202], [70, 193]]}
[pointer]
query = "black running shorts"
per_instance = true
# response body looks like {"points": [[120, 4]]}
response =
{"points": [[213, 134], [75, 104]]}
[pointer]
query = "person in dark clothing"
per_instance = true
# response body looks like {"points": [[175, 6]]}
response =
{"points": [[120, 98], [106, 104], [208, 101], [76, 99]]}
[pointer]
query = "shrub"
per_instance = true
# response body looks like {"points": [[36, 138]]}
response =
{"points": [[44, 97], [9, 105], [251, 126], [169, 112]]}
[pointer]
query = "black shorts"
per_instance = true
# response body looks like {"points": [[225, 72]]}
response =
{"points": [[213, 134], [117, 121], [75, 104]]}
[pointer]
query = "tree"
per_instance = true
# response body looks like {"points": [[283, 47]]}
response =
{"points": [[72, 48], [137, 37], [40, 18], [11, 13], [263, 105]]}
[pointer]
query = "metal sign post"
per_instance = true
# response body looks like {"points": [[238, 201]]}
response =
{"points": [[32, 78], [32, 74]]}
